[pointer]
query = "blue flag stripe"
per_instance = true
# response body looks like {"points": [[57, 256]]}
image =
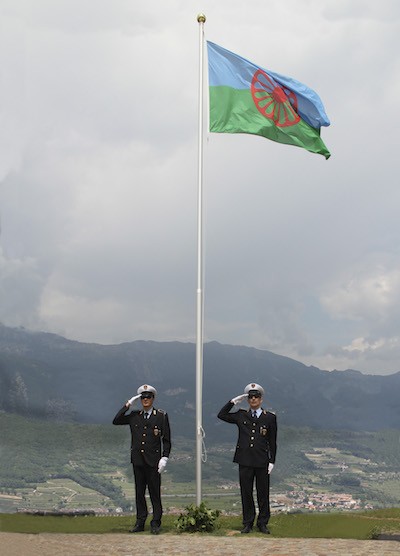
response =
{"points": [[229, 69]]}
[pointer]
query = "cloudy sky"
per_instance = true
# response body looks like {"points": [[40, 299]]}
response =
{"points": [[98, 179]]}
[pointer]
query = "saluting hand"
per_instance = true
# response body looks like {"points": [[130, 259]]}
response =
{"points": [[238, 399], [133, 399]]}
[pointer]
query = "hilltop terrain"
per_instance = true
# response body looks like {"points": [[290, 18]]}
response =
{"points": [[48, 376]]}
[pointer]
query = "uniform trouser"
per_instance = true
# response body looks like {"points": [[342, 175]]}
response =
{"points": [[147, 476], [246, 478]]}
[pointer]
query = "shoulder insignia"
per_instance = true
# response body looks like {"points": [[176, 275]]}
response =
{"points": [[160, 411]]}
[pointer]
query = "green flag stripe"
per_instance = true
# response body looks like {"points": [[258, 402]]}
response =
{"points": [[234, 111]]}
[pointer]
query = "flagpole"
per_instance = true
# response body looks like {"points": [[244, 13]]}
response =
{"points": [[201, 18]]}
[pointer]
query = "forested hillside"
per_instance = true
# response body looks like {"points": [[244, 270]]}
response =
{"points": [[53, 378]]}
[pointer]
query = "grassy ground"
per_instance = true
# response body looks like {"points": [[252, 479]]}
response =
{"points": [[364, 525]]}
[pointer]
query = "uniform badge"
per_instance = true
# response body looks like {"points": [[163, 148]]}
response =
{"points": [[156, 431], [263, 431]]}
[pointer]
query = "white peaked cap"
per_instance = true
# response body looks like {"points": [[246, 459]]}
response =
{"points": [[254, 386], [146, 388]]}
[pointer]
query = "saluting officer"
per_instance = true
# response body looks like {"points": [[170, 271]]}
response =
{"points": [[150, 449], [255, 453]]}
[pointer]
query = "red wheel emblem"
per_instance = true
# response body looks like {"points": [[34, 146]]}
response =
{"points": [[273, 101]]}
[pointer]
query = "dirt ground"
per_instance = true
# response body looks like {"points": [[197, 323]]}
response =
{"points": [[52, 544]]}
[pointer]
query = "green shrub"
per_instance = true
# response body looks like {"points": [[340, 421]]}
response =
{"points": [[197, 519], [374, 533]]}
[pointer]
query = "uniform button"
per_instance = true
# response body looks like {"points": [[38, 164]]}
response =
{"points": [[253, 431], [142, 450], [251, 445], [252, 438], [144, 434], [142, 442]]}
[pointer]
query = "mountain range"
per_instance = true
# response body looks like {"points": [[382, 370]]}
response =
{"points": [[50, 377]]}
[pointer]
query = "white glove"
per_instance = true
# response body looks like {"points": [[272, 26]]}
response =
{"points": [[130, 402], [162, 464], [270, 467], [238, 399]]}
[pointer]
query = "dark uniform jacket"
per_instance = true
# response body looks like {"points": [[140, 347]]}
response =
{"points": [[151, 438], [256, 445]]}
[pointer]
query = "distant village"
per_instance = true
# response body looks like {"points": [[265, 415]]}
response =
{"points": [[322, 502], [289, 502], [307, 500]]}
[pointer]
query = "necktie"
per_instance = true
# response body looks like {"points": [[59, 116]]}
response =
{"points": [[146, 415], [254, 414]]}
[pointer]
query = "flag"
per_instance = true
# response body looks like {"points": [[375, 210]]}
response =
{"points": [[245, 98]]}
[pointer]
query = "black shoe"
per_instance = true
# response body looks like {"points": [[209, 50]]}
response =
{"points": [[155, 529], [264, 529], [137, 529], [246, 529]]}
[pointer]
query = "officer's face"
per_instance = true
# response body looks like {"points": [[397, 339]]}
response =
{"points": [[147, 401], [254, 402]]}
